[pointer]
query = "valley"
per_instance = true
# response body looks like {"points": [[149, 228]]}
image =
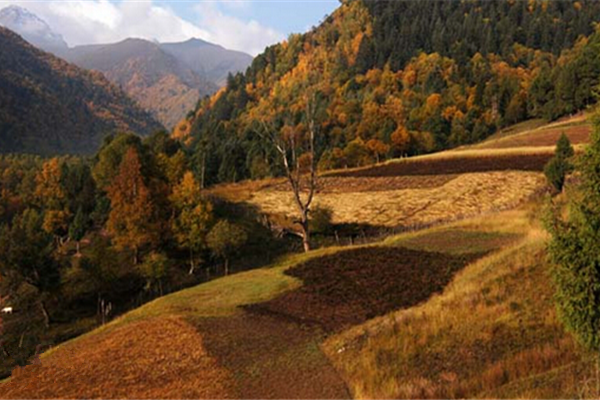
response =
{"points": [[401, 201], [380, 320]]}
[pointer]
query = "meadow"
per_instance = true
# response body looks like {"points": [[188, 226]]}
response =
{"points": [[462, 307]]}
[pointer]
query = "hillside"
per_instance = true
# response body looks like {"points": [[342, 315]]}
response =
{"points": [[209, 60], [159, 82], [48, 106], [167, 79], [341, 322], [402, 78]]}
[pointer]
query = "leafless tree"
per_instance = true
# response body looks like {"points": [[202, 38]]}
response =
{"points": [[303, 183]]}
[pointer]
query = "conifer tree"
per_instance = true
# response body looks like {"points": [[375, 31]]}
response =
{"points": [[573, 251], [560, 165]]}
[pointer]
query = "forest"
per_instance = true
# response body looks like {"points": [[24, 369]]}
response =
{"points": [[400, 78], [85, 239]]}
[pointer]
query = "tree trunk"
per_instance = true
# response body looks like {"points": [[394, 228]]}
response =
{"points": [[135, 255], [226, 266], [192, 264], [305, 234], [78, 248], [46, 315]]}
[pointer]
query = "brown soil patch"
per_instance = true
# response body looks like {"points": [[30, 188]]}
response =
{"points": [[329, 184], [158, 358], [350, 287], [271, 357], [453, 165], [579, 134]]}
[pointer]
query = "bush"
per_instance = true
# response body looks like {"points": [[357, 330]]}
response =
{"points": [[559, 166], [320, 220]]}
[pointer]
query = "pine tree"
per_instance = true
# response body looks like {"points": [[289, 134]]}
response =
{"points": [[560, 165], [573, 251]]}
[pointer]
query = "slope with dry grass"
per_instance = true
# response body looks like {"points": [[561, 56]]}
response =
{"points": [[459, 197], [493, 332], [538, 134]]}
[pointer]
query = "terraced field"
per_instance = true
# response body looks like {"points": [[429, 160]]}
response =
{"points": [[493, 333], [577, 129], [256, 334], [446, 198], [461, 309], [455, 162]]}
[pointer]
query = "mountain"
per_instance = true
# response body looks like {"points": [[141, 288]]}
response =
{"points": [[156, 79], [166, 79], [210, 60], [48, 106], [32, 29], [396, 78]]}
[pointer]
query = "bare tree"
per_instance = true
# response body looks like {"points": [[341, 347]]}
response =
{"points": [[303, 183]]}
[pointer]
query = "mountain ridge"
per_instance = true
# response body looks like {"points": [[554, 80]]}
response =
{"points": [[48, 106], [157, 80], [167, 79], [32, 28]]}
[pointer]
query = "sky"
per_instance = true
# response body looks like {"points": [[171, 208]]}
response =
{"points": [[244, 25]]}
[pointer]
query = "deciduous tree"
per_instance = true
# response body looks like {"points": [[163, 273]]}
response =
{"points": [[192, 219], [130, 221]]}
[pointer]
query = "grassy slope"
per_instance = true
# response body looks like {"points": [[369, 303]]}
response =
{"points": [[206, 307], [492, 333]]}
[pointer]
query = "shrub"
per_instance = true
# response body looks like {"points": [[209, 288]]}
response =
{"points": [[559, 166], [320, 220]]}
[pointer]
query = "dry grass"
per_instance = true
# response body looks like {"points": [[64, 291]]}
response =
{"points": [[464, 196], [578, 133], [155, 358], [491, 332]]}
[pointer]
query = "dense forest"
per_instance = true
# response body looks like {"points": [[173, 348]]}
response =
{"points": [[86, 239], [48, 106], [400, 78]]}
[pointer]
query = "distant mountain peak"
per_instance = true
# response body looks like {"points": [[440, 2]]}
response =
{"points": [[198, 41], [32, 28]]}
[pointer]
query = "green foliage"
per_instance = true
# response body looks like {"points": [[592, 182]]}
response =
{"points": [[110, 156], [78, 226], [154, 269], [320, 220], [98, 269], [226, 238], [560, 165], [573, 250]]}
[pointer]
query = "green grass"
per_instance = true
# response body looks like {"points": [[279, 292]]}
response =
{"points": [[457, 241], [220, 297]]}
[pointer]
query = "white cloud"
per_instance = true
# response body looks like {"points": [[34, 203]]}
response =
{"points": [[234, 33], [103, 21]]}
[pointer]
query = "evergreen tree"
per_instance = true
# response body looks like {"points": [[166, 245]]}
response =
{"points": [[573, 251], [560, 165]]}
